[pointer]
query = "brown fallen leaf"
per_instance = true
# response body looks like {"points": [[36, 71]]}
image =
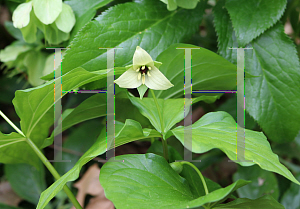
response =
{"points": [[90, 184], [7, 195]]}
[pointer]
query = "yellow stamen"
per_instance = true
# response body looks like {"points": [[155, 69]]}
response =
{"points": [[149, 68], [148, 73], [143, 67], [139, 76], [143, 78], [137, 70]]}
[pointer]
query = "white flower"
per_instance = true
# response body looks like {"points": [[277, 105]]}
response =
{"points": [[143, 71], [21, 15]]}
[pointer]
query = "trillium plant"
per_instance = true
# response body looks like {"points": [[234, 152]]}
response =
{"points": [[179, 103]]}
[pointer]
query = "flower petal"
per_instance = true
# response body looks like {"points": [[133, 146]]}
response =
{"points": [[21, 15], [66, 19], [129, 79], [157, 80], [141, 57]]}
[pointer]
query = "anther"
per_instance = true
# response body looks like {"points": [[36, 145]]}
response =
{"points": [[143, 79], [137, 70], [149, 68], [148, 73], [139, 76], [143, 67]]}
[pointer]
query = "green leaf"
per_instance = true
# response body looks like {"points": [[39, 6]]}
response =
{"points": [[14, 32], [265, 202], [172, 110], [66, 19], [195, 183], [84, 11], [273, 99], [124, 133], [122, 103], [290, 199], [130, 175], [14, 149], [35, 106], [147, 24], [262, 182], [251, 18], [47, 10], [35, 63], [88, 131], [27, 181], [93, 107], [11, 52], [210, 71], [29, 31], [219, 130]]}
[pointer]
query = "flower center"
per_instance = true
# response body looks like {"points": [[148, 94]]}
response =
{"points": [[144, 69]]}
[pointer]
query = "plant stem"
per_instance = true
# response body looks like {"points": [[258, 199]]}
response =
{"points": [[11, 123], [53, 172], [165, 149], [158, 110], [45, 161], [164, 142], [199, 173]]}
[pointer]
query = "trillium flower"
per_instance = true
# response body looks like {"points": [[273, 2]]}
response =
{"points": [[143, 71]]}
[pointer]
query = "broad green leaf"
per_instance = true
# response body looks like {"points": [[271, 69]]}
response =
{"points": [[34, 106], [209, 70], [290, 199], [195, 183], [14, 32], [219, 130], [88, 131], [172, 110], [84, 11], [273, 99], [93, 107], [11, 52], [147, 24], [124, 133], [130, 175], [47, 10], [262, 182], [252, 18], [21, 15], [218, 195], [14, 149], [27, 181], [66, 19], [265, 202], [157, 148], [35, 63], [230, 106], [30, 30]]}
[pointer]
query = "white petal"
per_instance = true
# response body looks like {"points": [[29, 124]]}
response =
{"points": [[21, 15], [157, 80], [47, 10], [129, 79], [66, 19], [141, 57]]}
